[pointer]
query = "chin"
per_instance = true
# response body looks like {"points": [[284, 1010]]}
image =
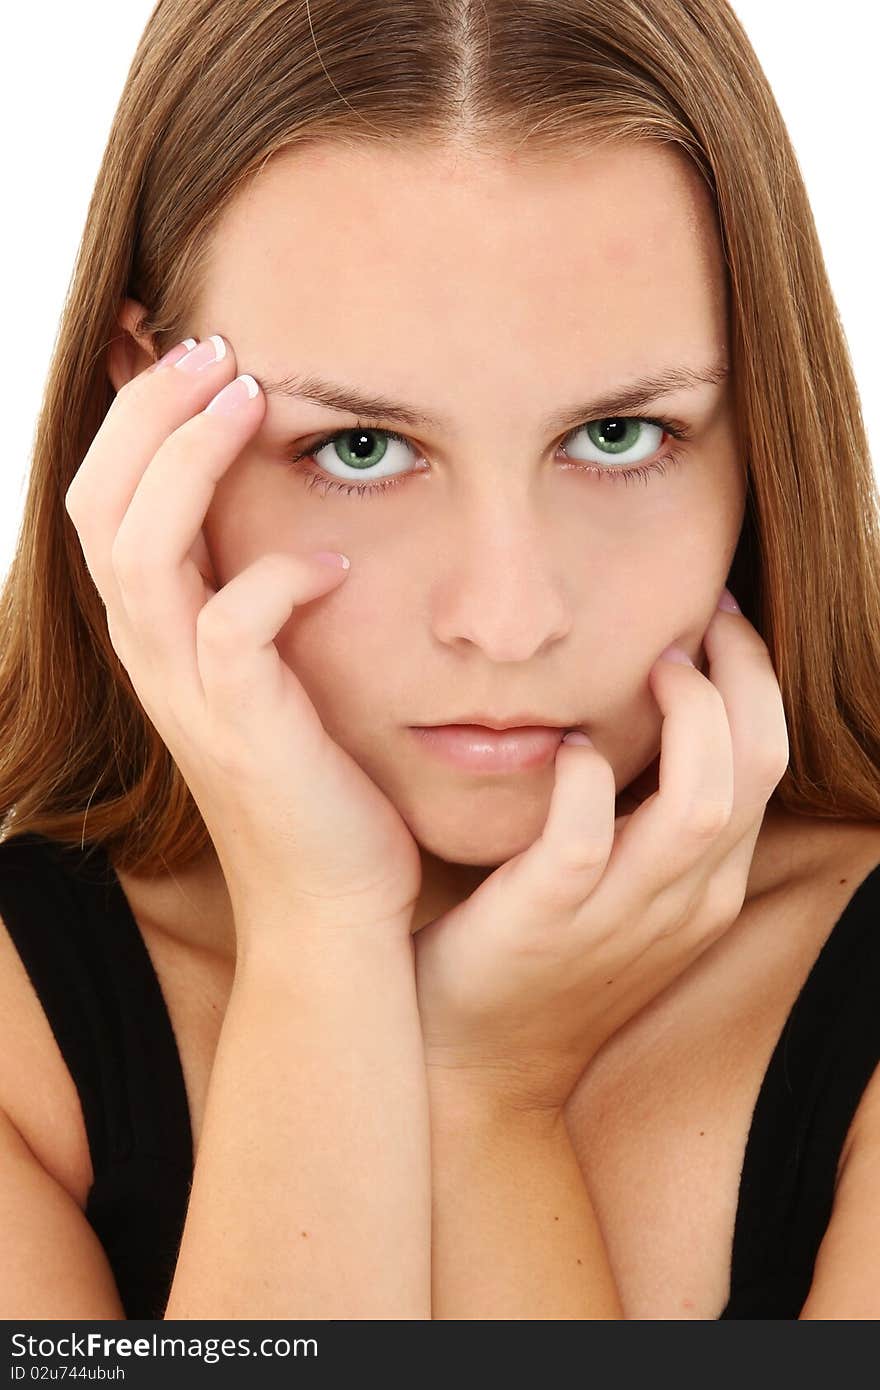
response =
{"points": [[477, 848], [469, 860]]}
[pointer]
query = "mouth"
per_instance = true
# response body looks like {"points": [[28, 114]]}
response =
{"points": [[483, 749]]}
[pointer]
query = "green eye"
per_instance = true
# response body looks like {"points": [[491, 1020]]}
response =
{"points": [[617, 434], [369, 450], [361, 449]]}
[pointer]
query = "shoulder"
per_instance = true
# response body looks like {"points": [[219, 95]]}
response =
{"points": [[846, 1277], [851, 854], [37, 1091], [864, 1130]]}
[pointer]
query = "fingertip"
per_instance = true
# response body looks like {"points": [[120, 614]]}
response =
{"points": [[677, 655], [173, 356], [728, 603]]}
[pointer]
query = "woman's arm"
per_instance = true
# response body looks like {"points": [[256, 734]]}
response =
{"points": [[311, 1194], [514, 1231]]}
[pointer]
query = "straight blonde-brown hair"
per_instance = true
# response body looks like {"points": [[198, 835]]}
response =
{"points": [[217, 87]]}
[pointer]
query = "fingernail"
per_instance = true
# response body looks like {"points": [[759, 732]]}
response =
{"points": [[173, 354], [577, 737], [728, 602], [333, 557], [676, 654], [212, 350], [233, 395]]}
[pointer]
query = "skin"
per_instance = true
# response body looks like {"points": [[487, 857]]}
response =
{"points": [[492, 291]]}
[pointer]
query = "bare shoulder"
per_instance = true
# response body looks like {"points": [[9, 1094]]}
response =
{"points": [[37, 1091], [864, 1130], [46, 1169]]}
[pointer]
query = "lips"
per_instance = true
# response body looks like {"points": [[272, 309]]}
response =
{"points": [[475, 748]]}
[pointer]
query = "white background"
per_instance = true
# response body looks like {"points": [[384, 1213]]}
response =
{"points": [[65, 67]]}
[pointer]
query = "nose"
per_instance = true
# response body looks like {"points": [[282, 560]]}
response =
{"points": [[504, 587]]}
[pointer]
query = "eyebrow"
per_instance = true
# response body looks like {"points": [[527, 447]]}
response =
{"points": [[627, 398]]}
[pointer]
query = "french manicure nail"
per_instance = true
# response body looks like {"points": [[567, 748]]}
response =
{"points": [[173, 355], [212, 350], [233, 396], [332, 557]]}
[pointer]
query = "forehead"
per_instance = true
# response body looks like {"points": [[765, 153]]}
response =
{"points": [[467, 260]]}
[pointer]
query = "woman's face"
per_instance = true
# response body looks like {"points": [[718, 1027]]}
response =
{"points": [[501, 299]]}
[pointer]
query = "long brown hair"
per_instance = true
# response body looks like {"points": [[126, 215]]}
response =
{"points": [[216, 88]]}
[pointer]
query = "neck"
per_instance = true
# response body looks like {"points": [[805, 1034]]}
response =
{"points": [[192, 903]]}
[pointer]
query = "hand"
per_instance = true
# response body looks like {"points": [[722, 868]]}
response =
{"points": [[521, 984], [281, 800]]}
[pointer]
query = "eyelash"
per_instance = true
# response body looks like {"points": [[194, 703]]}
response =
{"points": [[326, 484]]}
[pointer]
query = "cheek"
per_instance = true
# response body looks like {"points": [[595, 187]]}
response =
{"points": [[259, 507], [649, 592], [346, 648]]}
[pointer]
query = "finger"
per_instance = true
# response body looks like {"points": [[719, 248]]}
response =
{"points": [[720, 905], [153, 555], [244, 679], [568, 858], [671, 831], [144, 413], [201, 558], [740, 667], [741, 675]]}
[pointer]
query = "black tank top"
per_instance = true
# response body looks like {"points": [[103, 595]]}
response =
{"points": [[70, 921]]}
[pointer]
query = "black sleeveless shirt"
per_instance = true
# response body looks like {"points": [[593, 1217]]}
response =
{"points": [[69, 919]]}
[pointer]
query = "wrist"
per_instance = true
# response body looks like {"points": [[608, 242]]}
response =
{"points": [[322, 946], [465, 1098], [275, 908]]}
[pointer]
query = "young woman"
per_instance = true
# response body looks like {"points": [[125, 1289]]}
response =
{"points": [[322, 995]]}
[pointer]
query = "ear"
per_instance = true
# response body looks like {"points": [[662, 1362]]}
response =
{"points": [[132, 351]]}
